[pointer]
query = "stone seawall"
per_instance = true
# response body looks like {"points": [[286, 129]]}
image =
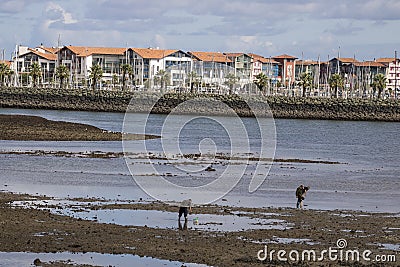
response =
{"points": [[281, 107]]}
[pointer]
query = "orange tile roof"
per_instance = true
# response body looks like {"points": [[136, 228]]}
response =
{"points": [[52, 50], [47, 56], [263, 59], [211, 57], [233, 54], [307, 62], [84, 51], [8, 63], [151, 53], [386, 60], [369, 64], [284, 56], [347, 59]]}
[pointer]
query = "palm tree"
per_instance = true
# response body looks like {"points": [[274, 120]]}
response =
{"points": [[114, 80], [4, 72], [306, 81], [95, 74], [231, 80], [62, 73], [194, 79], [379, 84], [164, 78], [126, 69], [261, 81], [9, 75], [35, 72], [336, 81]]}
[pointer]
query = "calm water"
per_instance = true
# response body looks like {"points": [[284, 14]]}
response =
{"points": [[367, 178]]}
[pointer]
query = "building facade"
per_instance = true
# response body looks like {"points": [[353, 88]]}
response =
{"points": [[148, 62], [392, 74], [25, 57], [80, 59], [286, 71]]}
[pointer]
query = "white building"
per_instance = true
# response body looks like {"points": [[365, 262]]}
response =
{"points": [[392, 73], [80, 59], [148, 62], [25, 57]]}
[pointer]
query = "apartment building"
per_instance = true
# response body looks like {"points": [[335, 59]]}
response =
{"points": [[242, 63], [80, 59], [211, 67], [286, 69], [392, 73], [148, 62], [26, 56], [268, 66]]}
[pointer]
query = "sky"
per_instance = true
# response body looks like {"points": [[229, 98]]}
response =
{"points": [[307, 29]]}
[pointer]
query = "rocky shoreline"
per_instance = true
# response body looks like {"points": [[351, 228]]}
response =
{"points": [[145, 102]]}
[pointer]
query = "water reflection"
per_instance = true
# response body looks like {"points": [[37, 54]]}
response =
{"points": [[9, 259]]}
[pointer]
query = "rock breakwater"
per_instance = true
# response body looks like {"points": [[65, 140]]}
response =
{"points": [[278, 106]]}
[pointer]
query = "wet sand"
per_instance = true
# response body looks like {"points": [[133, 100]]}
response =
{"points": [[319, 230], [34, 128]]}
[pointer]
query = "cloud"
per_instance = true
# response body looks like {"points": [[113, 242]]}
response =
{"points": [[12, 6], [55, 13], [360, 10], [264, 27], [344, 29], [250, 44]]}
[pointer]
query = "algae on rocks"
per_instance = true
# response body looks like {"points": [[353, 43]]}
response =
{"points": [[205, 104]]}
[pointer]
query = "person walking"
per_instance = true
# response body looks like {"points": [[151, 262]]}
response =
{"points": [[184, 208], [301, 194]]}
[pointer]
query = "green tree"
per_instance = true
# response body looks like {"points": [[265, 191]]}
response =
{"points": [[261, 81], [306, 81], [35, 72], [62, 73], [4, 72], [379, 84], [231, 80], [336, 81], [164, 78], [95, 74], [194, 80], [126, 69], [10, 74], [114, 80]]}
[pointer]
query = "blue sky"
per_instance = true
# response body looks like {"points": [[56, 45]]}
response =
{"points": [[365, 28]]}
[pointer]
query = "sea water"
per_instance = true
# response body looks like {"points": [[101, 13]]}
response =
{"points": [[366, 177]]}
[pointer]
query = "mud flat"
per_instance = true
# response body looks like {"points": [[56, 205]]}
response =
{"points": [[34, 128], [41, 224]]}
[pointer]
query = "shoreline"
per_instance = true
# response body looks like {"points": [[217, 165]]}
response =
{"points": [[224, 105], [35, 128], [279, 228]]}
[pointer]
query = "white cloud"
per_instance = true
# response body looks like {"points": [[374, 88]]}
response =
{"points": [[56, 13], [159, 41], [12, 6], [259, 26]]}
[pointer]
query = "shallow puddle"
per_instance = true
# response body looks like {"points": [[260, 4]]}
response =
{"points": [[96, 259], [156, 218], [395, 247], [161, 219], [282, 240]]}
